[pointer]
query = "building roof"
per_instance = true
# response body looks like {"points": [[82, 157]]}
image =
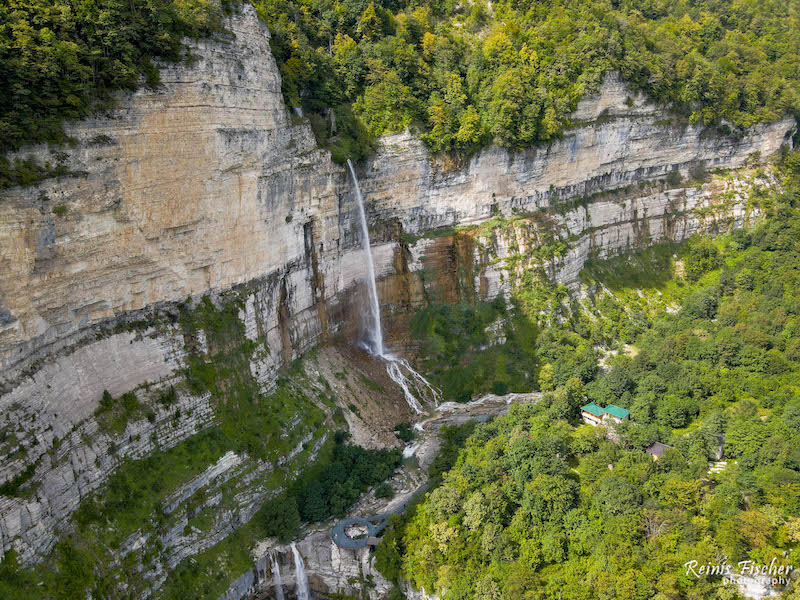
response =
{"points": [[616, 411], [657, 449], [593, 409]]}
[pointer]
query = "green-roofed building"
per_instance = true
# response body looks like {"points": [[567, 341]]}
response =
{"points": [[617, 413], [594, 414]]}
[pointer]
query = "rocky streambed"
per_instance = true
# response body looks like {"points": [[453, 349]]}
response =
{"points": [[334, 570]]}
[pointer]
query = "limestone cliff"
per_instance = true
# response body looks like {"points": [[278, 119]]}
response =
{"points": [[207, 185]]}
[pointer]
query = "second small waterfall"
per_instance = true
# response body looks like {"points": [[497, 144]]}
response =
{"points": [[374, 342], [276, 576], [301, 579]]}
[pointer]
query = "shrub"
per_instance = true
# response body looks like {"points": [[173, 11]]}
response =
{"points": [[384, 490], [674, 178], [279, 518], [499, 388], [697, 172], [404, 432], [351, 472], [703, 257]]}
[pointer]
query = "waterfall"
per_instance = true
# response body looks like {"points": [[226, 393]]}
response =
{"points": [[374, 331], [396, 375], [301, 579], [276, 576], [374, 341]]}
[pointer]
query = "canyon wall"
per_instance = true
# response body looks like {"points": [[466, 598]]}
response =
{"points": [[208, 185]]}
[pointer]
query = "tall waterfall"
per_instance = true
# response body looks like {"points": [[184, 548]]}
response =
{"points": [[276, 576], [374, 330], [374, 342], [301, 579]]}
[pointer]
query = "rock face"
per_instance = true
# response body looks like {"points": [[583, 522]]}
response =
{"points": [[330, 569], [404, 185], [199, 185], [208, 184]]}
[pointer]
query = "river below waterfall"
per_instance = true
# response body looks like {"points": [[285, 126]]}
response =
{"points": [[322, 568]]}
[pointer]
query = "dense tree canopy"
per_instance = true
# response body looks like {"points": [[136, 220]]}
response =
{"points": [[464, 359], [511, 72], [538, 506], [64, 59], [463, 74]]}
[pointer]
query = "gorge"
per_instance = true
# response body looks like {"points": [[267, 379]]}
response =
{"points": [[203, 225]]}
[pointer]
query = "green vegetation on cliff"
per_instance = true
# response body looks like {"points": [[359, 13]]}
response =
{"points": [[473, 349], [62, 60], [462, 74], [466, 74], [351, 472], [537, 506], [288, 458], [327, 488]]}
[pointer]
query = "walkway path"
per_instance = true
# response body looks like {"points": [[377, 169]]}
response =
{"points": [[374, 525], [448, 413]]}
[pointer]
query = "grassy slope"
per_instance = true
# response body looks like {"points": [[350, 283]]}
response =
{"points": [[256, 426]]}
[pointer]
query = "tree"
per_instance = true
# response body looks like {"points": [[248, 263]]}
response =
{"points": [[315, 506], [619, 381], [546, 377], [548, 498], [682, 494], [369, 25], [513, 110], [755, 528], [444, 501], [444, 113], [743, 437], [386, 106], [349, 63], [703, 257], [673, 412], [615, 496], [384, 490], [280, 518]]}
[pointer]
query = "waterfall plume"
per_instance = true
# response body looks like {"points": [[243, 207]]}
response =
{"points": [[276, 576], [301, 579], [396, 367], [374, 331]]}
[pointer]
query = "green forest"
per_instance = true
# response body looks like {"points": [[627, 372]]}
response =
{"points": [[461, 74], [310, 487], [458, 357], [537, 505], [533, 505], [509, 72], [63, 59]]}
